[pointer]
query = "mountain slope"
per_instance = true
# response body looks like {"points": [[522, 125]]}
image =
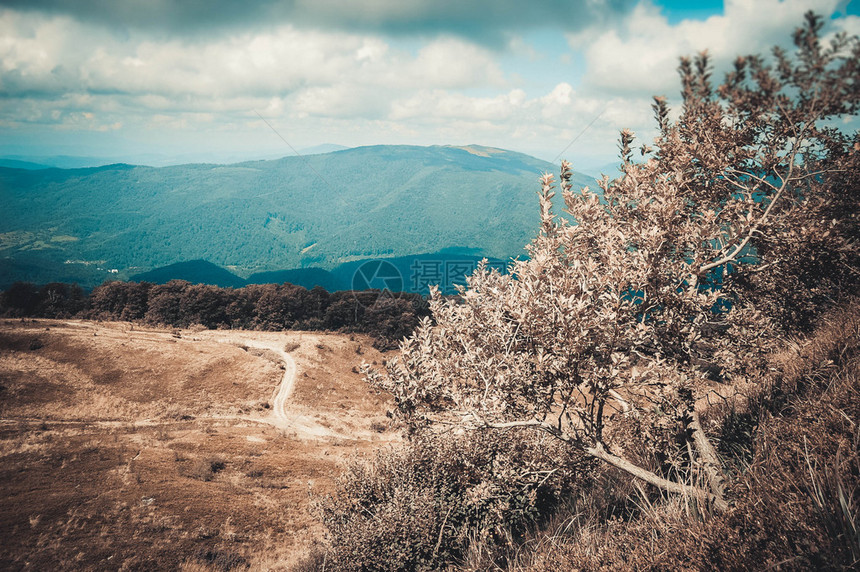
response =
{"points": [[194, 271], [321, 210]]}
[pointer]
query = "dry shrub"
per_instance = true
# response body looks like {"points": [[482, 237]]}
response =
{"points": [[420, 507], [206, 469], [312, 562], [266, 354]]}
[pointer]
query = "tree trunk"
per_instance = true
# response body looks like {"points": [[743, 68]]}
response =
{"points": [[710, 461], [598, 452]]}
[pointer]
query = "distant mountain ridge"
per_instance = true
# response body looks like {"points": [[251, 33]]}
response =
{"points": [[194, 271], [16, 161], [53, 162], [315, 211], [414, 273], [19, 164]]}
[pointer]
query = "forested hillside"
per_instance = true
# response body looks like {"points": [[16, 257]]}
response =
{"points": [[321, 210]]}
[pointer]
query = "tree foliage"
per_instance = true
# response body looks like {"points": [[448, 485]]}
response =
{"points": [[273, 307], [664, 282]]}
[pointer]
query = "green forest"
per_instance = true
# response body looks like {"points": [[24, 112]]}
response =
{"points": [[387, 316], [77, 225]]}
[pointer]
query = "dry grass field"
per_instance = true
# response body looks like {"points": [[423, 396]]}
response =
{"points": [[131, 448]]}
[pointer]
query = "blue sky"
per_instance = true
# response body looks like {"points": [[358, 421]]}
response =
{"points": [[158, 82]]}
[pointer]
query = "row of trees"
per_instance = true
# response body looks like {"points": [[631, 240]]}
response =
{"points": [[180, 304]]}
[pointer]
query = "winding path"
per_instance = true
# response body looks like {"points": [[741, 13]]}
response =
{"points": [[287, 385], [304, 425]]}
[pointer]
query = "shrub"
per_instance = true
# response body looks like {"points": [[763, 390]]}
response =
{"points": [[206, 469], [797, 488], [420, 507], [222, 560]]}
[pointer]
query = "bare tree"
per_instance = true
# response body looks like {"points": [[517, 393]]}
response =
{"points": [[617, 319]]}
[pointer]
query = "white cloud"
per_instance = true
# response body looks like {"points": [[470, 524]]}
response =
{"points": [[637, 57], [455, 63], [445, 105], [363, 87], [321, 73], [617, 60]]}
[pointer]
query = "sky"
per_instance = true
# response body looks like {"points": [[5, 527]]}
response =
{"points": [[161, 81]]}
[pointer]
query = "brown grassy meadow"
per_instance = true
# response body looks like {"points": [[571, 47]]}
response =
{"points": [[135, 448]]}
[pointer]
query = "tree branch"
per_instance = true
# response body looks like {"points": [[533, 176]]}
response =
{"points": [[599, 452], [737, 250]]}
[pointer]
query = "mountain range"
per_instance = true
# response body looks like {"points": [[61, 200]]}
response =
{"points": [[31, 161], [315, 213]]}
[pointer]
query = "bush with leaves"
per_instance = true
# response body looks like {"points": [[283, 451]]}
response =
{"points": [[763, 156], [620, 318], [418, 508]]}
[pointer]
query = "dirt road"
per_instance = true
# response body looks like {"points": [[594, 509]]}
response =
{"points": [[134, 430], [281, 415], [284, 390]]}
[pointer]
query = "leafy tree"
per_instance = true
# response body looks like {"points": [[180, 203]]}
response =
{"points": [[20, 299], [345, 309], [204, 304], [137, 300], [58, 300], [109, 299], [164, 303], [280, 306], [389, 320], [616, 322], [242, 308], [317, 304]]}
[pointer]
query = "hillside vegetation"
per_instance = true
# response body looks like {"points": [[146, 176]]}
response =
{"points": [[516, 502], [413, 274], [273, 307], [634, 355], [321, 210]]}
